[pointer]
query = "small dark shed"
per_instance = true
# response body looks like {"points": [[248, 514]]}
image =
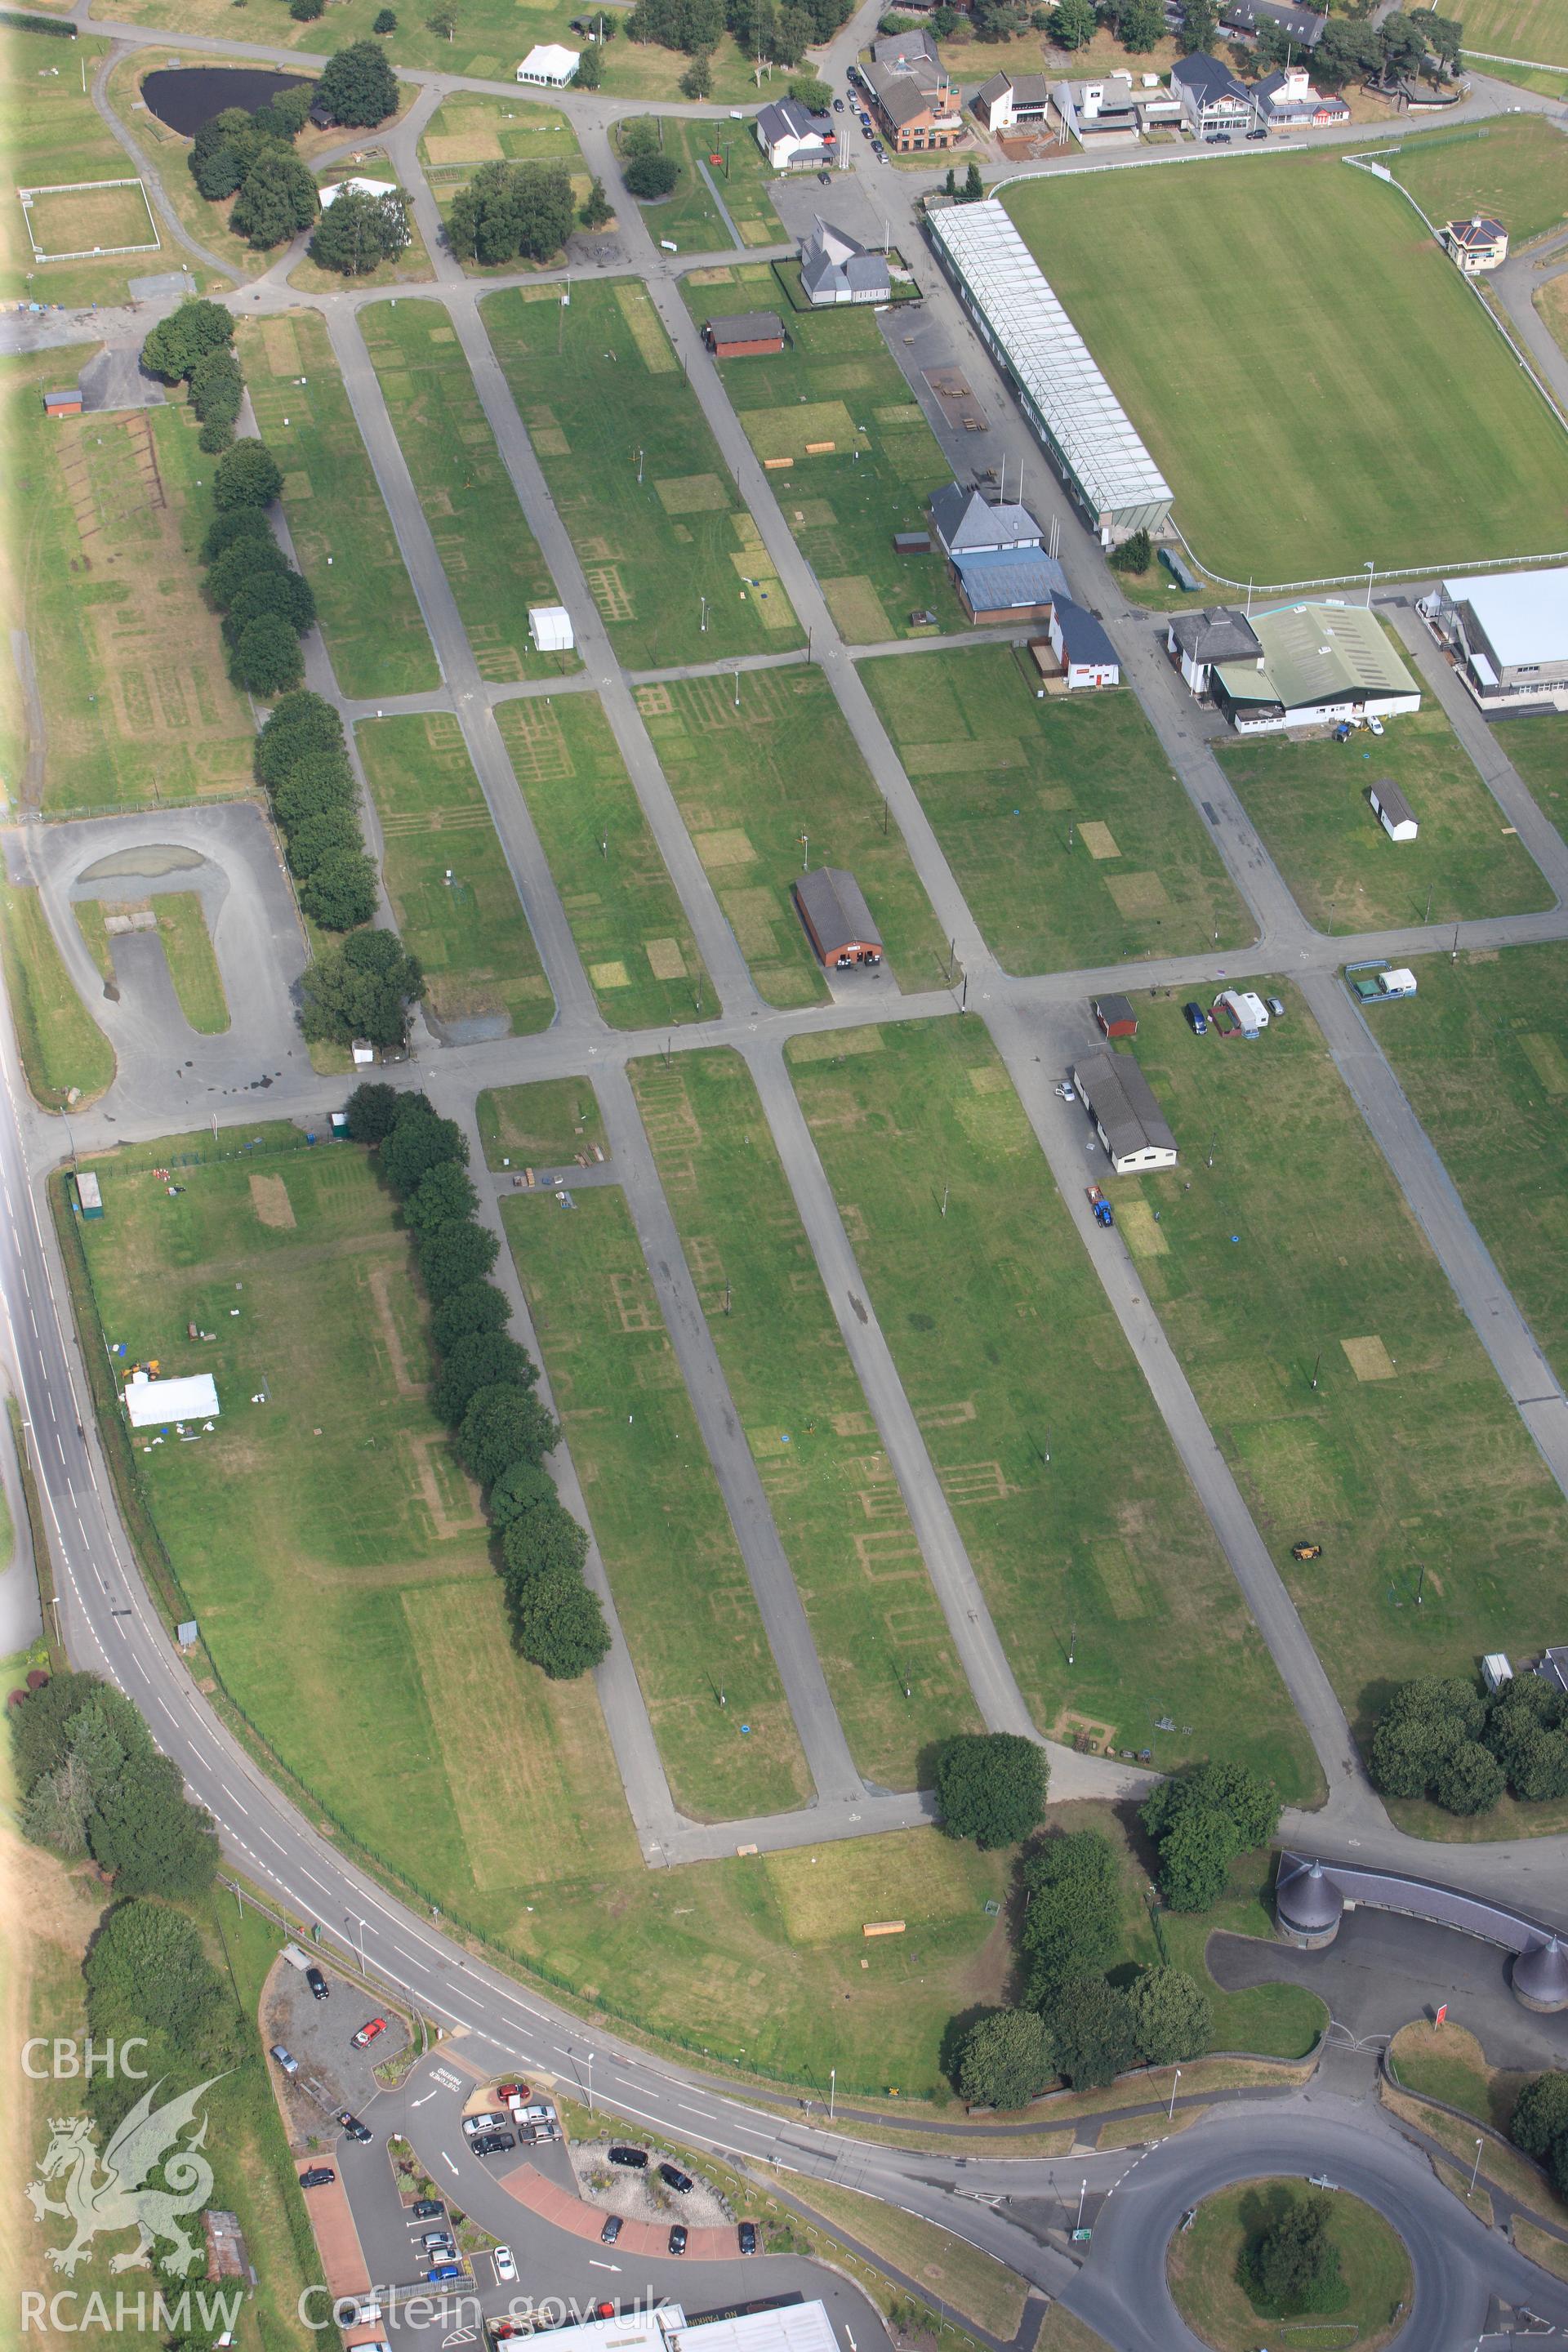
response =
{"points": [[913, 542], [837, 919]]}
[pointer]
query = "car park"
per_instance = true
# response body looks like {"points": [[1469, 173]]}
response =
{"points": [[611, 2231], [677, 2238], [368, 2032], [748, 2235], [1197, 1020], [633, 2158], [495, 2143], [673, 2177], [506, 2264], [280, 2057], [317, 2176], [429, 2209], [319, 1989], [353, 2126]]}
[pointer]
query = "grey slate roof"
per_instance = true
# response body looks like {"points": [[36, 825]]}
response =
{"points": [[1083, 639], [1208, 80], [1124, 1103], [830, 257], [837, 907], [1005, 579], [1476, 231], [1393, 802], [989, 91], [1217, 635], [747, 327], [965, 523], [899, 48], [901, 97], [787, 118], [1304, 24]]}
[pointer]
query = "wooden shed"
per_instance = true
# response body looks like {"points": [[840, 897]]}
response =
{"points": [[837, 919], [1115, 1016], [749, 334]]}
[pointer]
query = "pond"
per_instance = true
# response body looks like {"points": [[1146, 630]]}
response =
{"points": [[185, 97]]}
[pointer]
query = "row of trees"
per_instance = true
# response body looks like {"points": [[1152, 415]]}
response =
{"points": [[303, 764], [1203, 1821], [761, 28], [1442, 1737], [195, 346], [1091, 2031], [92, 1783], [485, 1387]]}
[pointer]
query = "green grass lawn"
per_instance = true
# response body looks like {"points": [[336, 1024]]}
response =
{"points": [[468, 130], [774, 782], [1537, 748], [550, 1121], [1547, 82], [105, 514], [1308, 800], [657, 1513], [654, 549], [1071, 839], [62, 1048], [1366, 2309], [1446, 2061], [490, 557], [470, 934], [1511, 170], [342, 533], [1531, 29], [876, 1621], [1349, 337], [1488, 1043], [1009, 1353], [838, 380], [624, 910], [54, 137], [1271, 2021], [193, 965], [1272, 1265], [690, 217]]}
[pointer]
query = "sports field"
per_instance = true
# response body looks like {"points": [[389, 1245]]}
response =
{"points": [[605, 401], [1532, 29], [489, 556], [836, 383], [129, 664], [1070, 838], [1511, 169], [53, 134], [1072, 1504], [1408, 1454], [625, 912], [874, 1616], [1302, 361], [1308, 800], [657, 1513], [76, 222], [766, 787], [469, 933], [341, 532], [539, 1125]]}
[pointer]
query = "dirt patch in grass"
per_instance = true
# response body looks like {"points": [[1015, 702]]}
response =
{"points": [[270, 1199]]}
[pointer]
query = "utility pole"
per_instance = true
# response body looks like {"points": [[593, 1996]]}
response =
{"points": [[833, 2092], [704, 616]]}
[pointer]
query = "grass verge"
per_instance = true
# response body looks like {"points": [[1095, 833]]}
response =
{"points": [[1510, 2174], [63, 1052], [1511, 170], [1446, 2062], [971, 2282]]}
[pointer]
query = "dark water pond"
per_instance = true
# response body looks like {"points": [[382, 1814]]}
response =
{"points": [[185, 97]]}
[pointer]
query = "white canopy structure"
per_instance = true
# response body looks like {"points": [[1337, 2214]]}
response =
{"points": [[153, 1404]]}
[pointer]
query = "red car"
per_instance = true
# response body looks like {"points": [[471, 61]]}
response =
{"points": [[507, 2091], [367, 2034]]}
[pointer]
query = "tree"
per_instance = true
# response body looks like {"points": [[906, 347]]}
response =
{"points": [[1134, 554], [442, 1196], [41, 1727], [361, 989], [146, 1832], [559, 1627], [640, 136], [357, 88], [1007, 2059], [371, 1112], [1200, 22], [385, 21], [1540, 2125], [453, 1256], [509, 209], [443, 22], [487, 1359], [504, 1425], [990, 1786], [1348, 51], [1195, 1855], [238, 527], [178, 342], [596, 208], [1425, 1721], [973, 186], [1273, 46], [420, 1142], [696, 82], [477, 1307], [1445, 35], [248, 475], [649, 177], [587, 74], [1172, 2018], [358, 231], [1141, 26], [543, 1541], [1200, 1820], [341, 891], [145, 1971], [302, 724], [1091, 2025], [1469, 1780], [280, 590], [1072, 1925], [305, 12], [1073, 24], [318, 786], [246, 560], [216, 384], [266, 658], [526, 1487], [1292, 2265], [276, 201], [1403, 43], [811, 90]]}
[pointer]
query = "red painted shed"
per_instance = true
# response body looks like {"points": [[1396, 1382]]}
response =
{"points": [[1115, 1016], [750, 334], [837, 919]]}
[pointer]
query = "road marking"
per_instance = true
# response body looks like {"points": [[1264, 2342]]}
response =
{"points": [[594, 2265], [706, 2113], [449, 2163]]}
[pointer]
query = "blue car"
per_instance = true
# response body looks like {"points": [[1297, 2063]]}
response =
{"points": [[444, 2271], [1197, 1020]]}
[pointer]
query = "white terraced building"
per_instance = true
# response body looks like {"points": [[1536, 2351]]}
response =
{"points": [[1082, 426]]}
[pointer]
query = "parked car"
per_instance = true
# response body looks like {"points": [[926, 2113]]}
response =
{"points": [[367, 2034], [317, 2176], [434, 2240], [1216, 139], [1257, 134], [748, 2237], [1066, 1091], [633, 2158], [611, 2231], [506, 2264], [537, 2113], [825, 178], [1275, 1009], [1197, 1020], [1374, 723], [673, 2177], [493, 2143], [353, 2126], [677, 2238], [838, 106], [540, 2135], [319, 1989], [281, 2058], [429, 2209], [443, 2271], [508, 2092]]}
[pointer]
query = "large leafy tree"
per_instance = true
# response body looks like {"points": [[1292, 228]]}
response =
{"points": [[543, 1541], [277, 199], [338, 890], [443, 1195], [991, 1786], [247, 476], [1073, 1923], [559, 1625], [371, 1111], [176, 343], [358, 87], [265, 657], [1091, 2025], [1200, 1821], [477, 1307], [418, 1142], [502, 1426], [146, 1831], [488, 1359], [453, 1256], [509, 210], [361, 989], [1172, 2018], [1294, 2264], [1008, 2058], [359, 231]]}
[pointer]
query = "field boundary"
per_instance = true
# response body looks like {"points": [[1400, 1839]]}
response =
{"points": [[84, 187]]}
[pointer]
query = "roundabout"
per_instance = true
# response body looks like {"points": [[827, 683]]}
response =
{"points": [[1356, 2291]]}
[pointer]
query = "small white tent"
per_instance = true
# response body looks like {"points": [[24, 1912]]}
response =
{"points": [[549, 63], [550, 626]]}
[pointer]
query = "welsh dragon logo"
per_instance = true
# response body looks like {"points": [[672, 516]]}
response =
{"points": [[112, 2192]]}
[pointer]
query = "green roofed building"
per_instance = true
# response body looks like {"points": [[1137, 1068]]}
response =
{"points": [[1322, 664]]}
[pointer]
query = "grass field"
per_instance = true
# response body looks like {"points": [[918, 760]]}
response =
{"points": [[468, 130], [1447, 2061], [1350, 336], [624, 910], [489, 556], [1070, 838], [1537, 748], [341, 532], [69, 223], [1547, 82], [1010, 1354], [1201, 2267], [874, 1617], [1552, 301], [1488, 1042], [837, 381], [1534, 29], [1408, 1454], [470, 934], [551, 1121], [603, 398], [659, 1515], [1510, 169], [766, 786], [62, 1048], [54, 135], [187, 947], [1308, 800], [742, 176]]}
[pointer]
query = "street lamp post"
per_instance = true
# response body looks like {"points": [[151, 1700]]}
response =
{"points": [[1475, 2169], [833, 2092], [1082, 2193], [1171, 2110], [590, 2082], [1369, 569], [704, 616]]}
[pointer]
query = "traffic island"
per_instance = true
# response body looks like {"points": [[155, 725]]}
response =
{"points": [[1327, 2257]]}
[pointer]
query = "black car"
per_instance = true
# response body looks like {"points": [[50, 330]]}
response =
{"points": [[319, 1989], [354, 2129], [317, 2176], [1257, 134], [677, 2238], [493, 2143], [748, 2237], [429, 2209], [673, 2177], [633, 2158], [1197, 1020], [611, 2231]]}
